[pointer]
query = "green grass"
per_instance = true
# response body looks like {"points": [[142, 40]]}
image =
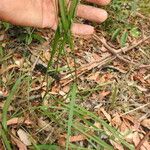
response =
{"points": [[121, 23], [63, 36], [69, 117], [4, 129]]}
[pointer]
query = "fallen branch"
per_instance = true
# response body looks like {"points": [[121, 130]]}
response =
{"points": [[124, 50], [135, 45]]}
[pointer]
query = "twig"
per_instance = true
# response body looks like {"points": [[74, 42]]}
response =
{"points": [[145, 66], [35, 62], [112, 50], [32, 97], [135, 45], [88, 67], [142, 16], [135, 109], [2, 71], [117, 52], [142, 141]]}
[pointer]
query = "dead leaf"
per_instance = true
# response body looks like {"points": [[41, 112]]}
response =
{"points": [[106, 77], [116, 121], [123, 127], [77, 138], [135, 122], [116, 145], [108, 117], [16, 141], [19, 121], [24, 137], [103, 94], [62, 142], [8, 68], [47, 55], [93, 77], [44, 125], [19, 62], [146, 144], [19, 144], [129, 138], [146, 123], [139, 77], [98, 125], [137, 139], [66, 89]]}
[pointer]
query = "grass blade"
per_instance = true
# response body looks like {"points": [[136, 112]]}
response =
{"points": [[124, 38], [63, 11], [8, 102], [71, 113], [5, 140]]}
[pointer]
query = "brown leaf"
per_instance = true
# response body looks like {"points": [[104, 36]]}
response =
{"points": [[131, 122], [8, 68], [137, 139], [19, 62], [47, 55], [146, 144], [116, 121], [129, 138], [123, 127], [103, 94], [96, 56], [44, 125], [146, 123], [24, 137], [75, 138], [106, 77], [19, 121], [93, 77], [62, 141], [19, 144], [108, 117], [116, 145]]}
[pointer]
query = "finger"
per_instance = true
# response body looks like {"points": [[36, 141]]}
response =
{"points": [[99, 2], [81, 29], [91, 13]]}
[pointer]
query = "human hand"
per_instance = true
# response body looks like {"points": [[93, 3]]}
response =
{"points": [[43, 14]]}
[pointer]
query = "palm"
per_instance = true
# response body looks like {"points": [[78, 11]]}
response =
{"points": [[43, 13], [97, 15]]}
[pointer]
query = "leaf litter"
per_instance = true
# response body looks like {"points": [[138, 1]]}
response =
{"points": [[100, 72]]}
